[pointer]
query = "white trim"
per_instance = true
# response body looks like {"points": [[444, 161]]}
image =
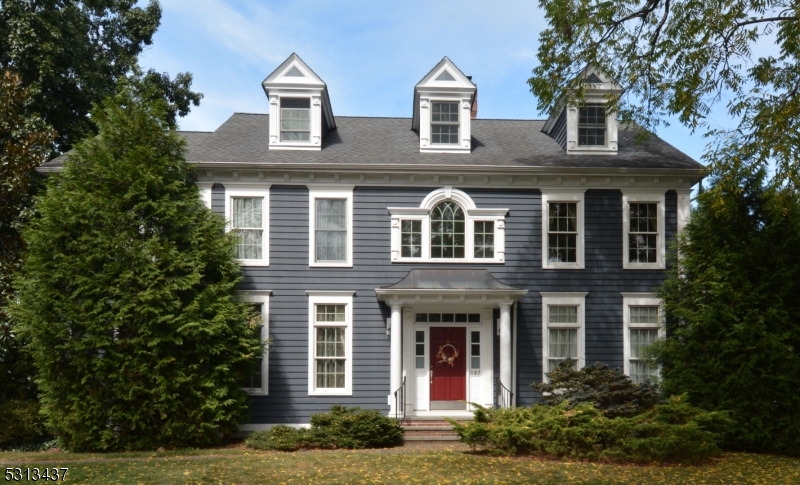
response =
{"points": [[329, 192], [563, 195], [472, 214], [204, 188], [651, 197], [330, 298], [684, 208], [637, 299], [262, 297], [250, 190], [563, 299]]}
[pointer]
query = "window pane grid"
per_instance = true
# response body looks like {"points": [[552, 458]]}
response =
{"points": [[562, 232], [563, 314], [419, 350], [411, 239], [444, 123], [641, 369], [563, 345], [484, 239], [331, 230], [330, 354], [447, 231], [330, 313], [247, 221], [643, 233], [592, 126], [644, 314], [295, 124]]}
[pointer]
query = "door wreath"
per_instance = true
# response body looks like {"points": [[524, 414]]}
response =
{"points": [[444, 358]]}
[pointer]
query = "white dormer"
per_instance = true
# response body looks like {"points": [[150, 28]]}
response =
{"points": [[443, 105], [299, 107], [588, 129]]}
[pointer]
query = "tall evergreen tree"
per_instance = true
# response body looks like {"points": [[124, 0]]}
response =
{"points": [[733, 302], [127, 294]]}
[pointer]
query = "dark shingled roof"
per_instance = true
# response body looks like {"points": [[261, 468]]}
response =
{"points": [[244, 140], [449, 279]]}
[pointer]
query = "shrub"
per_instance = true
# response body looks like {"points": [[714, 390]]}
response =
{"points": [[342, 427], [670, 432], [608, 389], [21, 425]]}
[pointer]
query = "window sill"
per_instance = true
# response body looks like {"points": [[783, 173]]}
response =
{"points": [[325, 264], [659, 265], [332, 392], [253, 262], [255, 392], [563, 266], [452, 261]]}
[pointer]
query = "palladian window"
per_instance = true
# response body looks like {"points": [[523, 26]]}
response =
{"points": [[447, 231]]}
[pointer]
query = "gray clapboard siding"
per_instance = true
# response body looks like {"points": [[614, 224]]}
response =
{"points": [[289, 277]]}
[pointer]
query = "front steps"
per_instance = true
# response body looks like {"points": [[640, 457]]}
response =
{"points": [[422, 430]]}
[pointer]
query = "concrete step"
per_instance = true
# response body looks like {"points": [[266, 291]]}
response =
{"points": [[431, 438]]}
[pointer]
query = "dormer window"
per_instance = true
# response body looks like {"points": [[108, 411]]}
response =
{"points": [[444, 123], [592, 125], [295, 119]]}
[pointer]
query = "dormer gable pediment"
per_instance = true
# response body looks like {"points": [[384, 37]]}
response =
{"points": [[444, 95], [300, 108]]}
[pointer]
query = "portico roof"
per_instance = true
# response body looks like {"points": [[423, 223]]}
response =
{"points": [[452, 285]]}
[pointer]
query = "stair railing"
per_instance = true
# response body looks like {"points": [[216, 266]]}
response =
{"points": [[504, 395], [399, 402]]}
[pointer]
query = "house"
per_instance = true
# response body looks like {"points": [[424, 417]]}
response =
{"points": [[416, 265]]}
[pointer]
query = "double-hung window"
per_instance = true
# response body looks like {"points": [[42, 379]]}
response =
{"points": [[331, 227], [641, 327], [257, 381], [562, 330], [330, 343], [448, 227], [643, 230], [444, 123], [562, 229], [592, 125], [247, 210], [295, 119]]}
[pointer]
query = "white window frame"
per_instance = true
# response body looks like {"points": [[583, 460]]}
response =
{"points": [[330, 298], [638, 299], [328, 192], [651, 198], [457, 123], [556, 195], [254, 190], [605, 124], [563, 299], [472, 214], [262, 298]]}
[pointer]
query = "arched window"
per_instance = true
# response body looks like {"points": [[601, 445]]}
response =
{"points": [[447, 231]]}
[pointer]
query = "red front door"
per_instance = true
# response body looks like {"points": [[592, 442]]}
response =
{"points": [[448, 364]]}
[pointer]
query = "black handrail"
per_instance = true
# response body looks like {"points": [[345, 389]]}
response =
{"points": [[504, 396], [399, 401]]}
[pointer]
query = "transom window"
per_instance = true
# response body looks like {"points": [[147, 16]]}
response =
{"points": [[295, 119], [448, 317], [331, 229], [249, 225], [444, 123], [330, 343], [447, 231], [643, 233], [592, 125], [562, 232]]}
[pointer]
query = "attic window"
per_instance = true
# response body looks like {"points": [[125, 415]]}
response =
{"points": [[295, 119], [444, 123], [592, 125]]}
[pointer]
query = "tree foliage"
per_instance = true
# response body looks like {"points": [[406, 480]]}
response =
{"points": [[25, 142], [75, 52], [680, 58], [127, 294], [606, 388], [733, 305]]}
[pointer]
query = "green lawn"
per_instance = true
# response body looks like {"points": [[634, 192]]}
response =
{"points": [[401, 465]]}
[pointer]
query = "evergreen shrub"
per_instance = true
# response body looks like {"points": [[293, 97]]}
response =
{"points": [[671, 432], [608, 389], [21, 425], [127, 296], [342, 427]]}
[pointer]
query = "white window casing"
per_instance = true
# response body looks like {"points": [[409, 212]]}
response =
{"points": [[638, 300], [333, 193], [262, 298], [577, 300], [246, 191], [472, 214], [570, 196], [316, 298], [204, 190], [659, 198]]}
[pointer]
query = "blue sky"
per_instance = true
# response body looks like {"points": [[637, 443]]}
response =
{"points": [[370, 54]]}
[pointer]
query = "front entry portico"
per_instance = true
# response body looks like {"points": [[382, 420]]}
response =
{"points": [[441, 333]]}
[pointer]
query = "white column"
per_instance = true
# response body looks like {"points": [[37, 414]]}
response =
{"points": [[396, 358], [505, 345]]}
